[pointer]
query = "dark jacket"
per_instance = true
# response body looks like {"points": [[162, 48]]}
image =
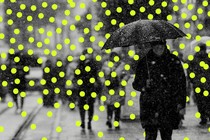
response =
{"points": [[88, 70], [167, 89]]}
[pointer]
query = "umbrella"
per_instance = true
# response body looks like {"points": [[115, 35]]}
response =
{"points": [[142, 31]]}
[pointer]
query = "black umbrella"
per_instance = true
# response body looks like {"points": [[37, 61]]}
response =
{"points": [[142, 31]]}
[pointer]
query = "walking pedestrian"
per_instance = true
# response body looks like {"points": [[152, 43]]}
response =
{"points": [[114, 90], [86, 75], [199, 75], [48, 93], [18, 86], [161, 80]]}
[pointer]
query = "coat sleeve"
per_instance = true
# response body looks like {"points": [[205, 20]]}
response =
{"points": [[141, 76], [179, 83]]}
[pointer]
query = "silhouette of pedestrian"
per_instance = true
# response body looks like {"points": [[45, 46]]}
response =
{"points": [[48, 92], [17, 79], [161, 80], [86, 75], [199, 68], [114, 91]]}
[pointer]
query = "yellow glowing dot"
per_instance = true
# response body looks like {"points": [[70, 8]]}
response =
{"points": [[101, 74], [190, 57], [200, 11], [29, 18], [186, 138], [33, 8], [116, 123], [72, 105], [58, 129], [47, 41], [98, 58], [176, 25], [2, 35], [70, 58], [130, 103], [72, 27], [54, 7], [158, 11], [116, 104], [49, 114], [119, 9], [22, 6], [185, 66], [45, 91], [42, 81], [183, 1], [200, 26], [10, 22], [56, 105], [164, 4], [31, 39], [132, 12], [1, 129], [123, 83], [203, 79], [31, 83], [133, 94], [19, 14], [100, 134], [51, 19], [54, 53], [197, 115], [86, 107], [92, 38], [108, 12], [92, 80], [150, 16], [77, 18], [33, 126], [68, 82], [44, 4], [206, 93], [187, 98], [4, 83], [82, 94], [79, 82], [190, 6], [142, 9], [103, 98], [40, 101], [184, 15], [69, 92], [102, 108], [81, 39], [54, 79], [103, 4], [197, 90], [24, 114], [122, 93], [187, 25], [132, 116], [67, 12], [111, 92], [136, 57], [10, 104], [151, 2]]}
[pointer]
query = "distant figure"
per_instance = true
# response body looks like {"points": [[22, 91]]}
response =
{"points": [[17, 79], [48, 88], [86, 76], [161, 80], [199, 67], [114, 90], [60, 74]]}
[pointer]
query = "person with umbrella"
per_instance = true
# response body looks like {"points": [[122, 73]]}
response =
{"points": [[159, 75], [161, 80]]}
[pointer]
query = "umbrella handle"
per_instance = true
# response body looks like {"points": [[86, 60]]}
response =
{"points": [[148, 72]]}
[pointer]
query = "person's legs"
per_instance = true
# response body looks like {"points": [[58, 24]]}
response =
{"points": [[82, 112], [166, 133], [151, 133], [117, 116], [109, 115], [90, 114]]}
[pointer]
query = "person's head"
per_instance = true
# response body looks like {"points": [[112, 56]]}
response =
{"points": [[158, 47], [88, 53], [114, 57], [202, 47]]}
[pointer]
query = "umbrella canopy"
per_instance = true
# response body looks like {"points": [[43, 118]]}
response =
{"points": [[142, 31]]}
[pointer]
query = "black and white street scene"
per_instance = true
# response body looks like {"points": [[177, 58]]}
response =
{"points": [[104, 70]]}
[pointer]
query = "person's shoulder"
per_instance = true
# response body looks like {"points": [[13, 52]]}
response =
{"points": [[175, 58]]}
